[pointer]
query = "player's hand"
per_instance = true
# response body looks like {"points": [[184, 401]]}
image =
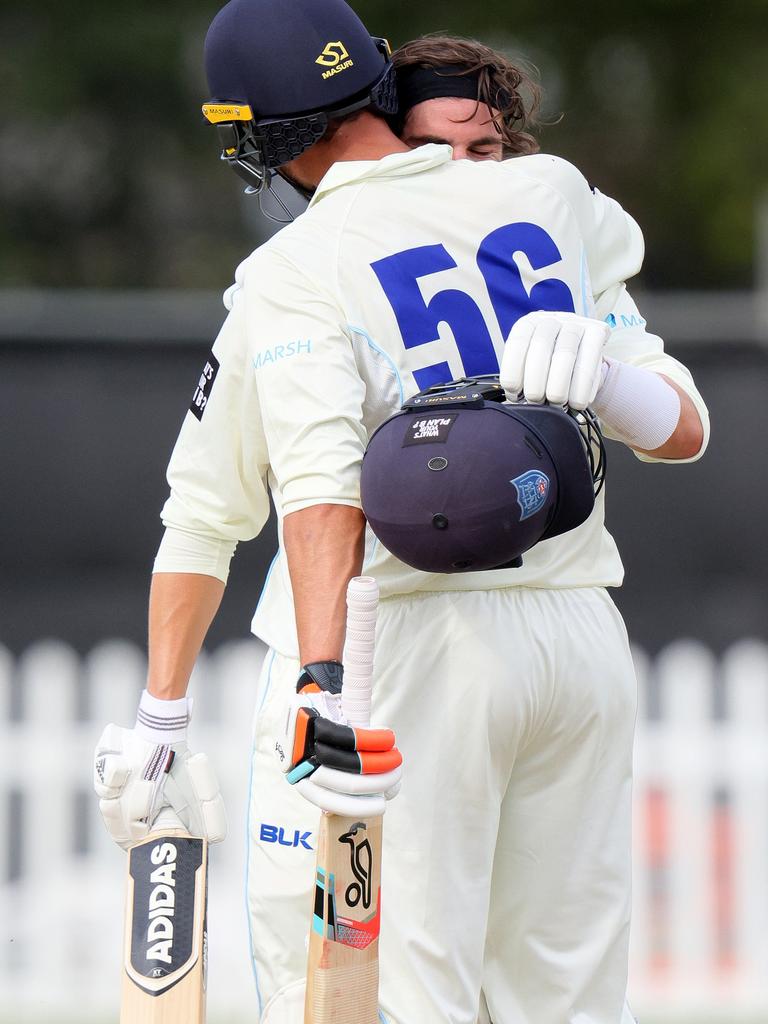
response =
{"points": [[557, 357], [135, 779], [341, 769]]}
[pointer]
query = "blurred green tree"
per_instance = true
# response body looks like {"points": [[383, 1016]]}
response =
{"points": [[109, 177]]}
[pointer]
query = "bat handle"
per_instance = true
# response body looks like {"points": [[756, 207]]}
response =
{"points": [[362, 606], [167, 820]]}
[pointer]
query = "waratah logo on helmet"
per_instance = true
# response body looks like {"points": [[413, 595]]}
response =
{"points": [[532, 489], [336, 57]]}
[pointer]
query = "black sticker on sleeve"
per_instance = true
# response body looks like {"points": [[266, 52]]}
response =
{"points": [[204, 386], [432, 429]]}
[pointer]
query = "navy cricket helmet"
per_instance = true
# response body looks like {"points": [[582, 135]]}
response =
{"points": [[461, 481], [280, 70]]}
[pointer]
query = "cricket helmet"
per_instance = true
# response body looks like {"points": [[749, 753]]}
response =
{"points": [[461, 481], [280, 70]]}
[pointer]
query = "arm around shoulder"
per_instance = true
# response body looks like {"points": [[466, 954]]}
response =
{"points": [[667, 417]]}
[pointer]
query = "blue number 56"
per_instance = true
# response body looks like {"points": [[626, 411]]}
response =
{"points": [[418, 320]]}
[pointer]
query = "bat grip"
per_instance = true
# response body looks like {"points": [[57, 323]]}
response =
{"points": [[167, 820], [362, 605]]}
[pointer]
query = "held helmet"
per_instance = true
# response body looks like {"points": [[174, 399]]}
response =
{"points": [[461, 481], [280, 70]]}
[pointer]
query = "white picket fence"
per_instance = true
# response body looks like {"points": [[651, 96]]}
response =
{"points": [[700, 934], [700, 919], [61, 877]]}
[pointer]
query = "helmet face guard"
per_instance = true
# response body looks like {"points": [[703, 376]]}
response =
{"points": [[256, 148]]}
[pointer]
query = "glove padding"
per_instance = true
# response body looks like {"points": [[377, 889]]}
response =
{"points": [[341, 769], [135, 780], [557, 357]]}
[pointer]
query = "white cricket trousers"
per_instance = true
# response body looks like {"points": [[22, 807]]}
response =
{"points": [[506, 862]]}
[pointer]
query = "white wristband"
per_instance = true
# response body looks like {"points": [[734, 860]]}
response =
{"points": [[638, 406], [162, 721]]}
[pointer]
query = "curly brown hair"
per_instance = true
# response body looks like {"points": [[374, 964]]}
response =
{"points": [[511, 89]]}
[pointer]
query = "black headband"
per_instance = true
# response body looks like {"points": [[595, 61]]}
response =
{"points": [[416, 84]]}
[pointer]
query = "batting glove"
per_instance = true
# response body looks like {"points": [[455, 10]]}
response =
{"points": [[557, 357], [142, 771], [341, 769]]}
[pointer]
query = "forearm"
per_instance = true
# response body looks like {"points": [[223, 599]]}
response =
{"points": [[324, 549], [181, 609]]}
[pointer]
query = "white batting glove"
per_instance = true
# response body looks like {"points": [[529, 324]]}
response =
{"points": [[341, 769], [137, 775], [554, 357]]}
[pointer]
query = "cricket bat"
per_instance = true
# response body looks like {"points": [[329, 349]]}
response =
{"points": [[165, 943], [343, 963]]}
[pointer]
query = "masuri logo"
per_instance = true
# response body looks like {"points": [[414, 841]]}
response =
{"points": [[333, 54]]}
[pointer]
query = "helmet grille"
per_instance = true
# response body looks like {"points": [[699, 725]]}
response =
{"points": [[384, 93], [284, 140]]}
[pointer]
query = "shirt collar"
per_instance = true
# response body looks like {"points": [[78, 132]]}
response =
{"points": [[349, 172]]}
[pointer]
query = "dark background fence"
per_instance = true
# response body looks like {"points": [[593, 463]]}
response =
{"points": [[110, 180], [94, 387]]}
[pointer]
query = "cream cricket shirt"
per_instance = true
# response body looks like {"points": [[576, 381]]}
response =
{"points": [[402, 273]]}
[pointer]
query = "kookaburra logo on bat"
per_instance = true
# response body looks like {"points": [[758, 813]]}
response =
{"points": [[360, 860]]}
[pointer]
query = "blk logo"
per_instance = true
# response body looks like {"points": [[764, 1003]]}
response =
{"points": [[277, 834]]}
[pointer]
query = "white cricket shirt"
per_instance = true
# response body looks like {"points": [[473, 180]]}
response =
{"points": [[403, 272]]}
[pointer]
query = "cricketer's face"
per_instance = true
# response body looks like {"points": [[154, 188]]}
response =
{"points": [[462, 123]]}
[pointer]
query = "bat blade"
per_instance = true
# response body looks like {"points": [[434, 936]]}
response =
{"points": [[165, 943], [343, 964], [343, 967]]}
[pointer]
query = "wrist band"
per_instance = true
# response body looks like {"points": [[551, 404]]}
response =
{"points": [[162, 721], [638, 406]]}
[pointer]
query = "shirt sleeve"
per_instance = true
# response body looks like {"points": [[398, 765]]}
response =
{"points": [[613, 242], [310, 391], [202, 554], [614, 250], [218, 469]]}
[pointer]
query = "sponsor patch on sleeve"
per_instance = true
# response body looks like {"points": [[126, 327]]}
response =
{"points": [[204, 386], [429, 429]]}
